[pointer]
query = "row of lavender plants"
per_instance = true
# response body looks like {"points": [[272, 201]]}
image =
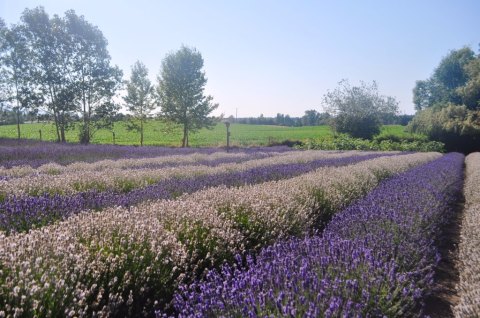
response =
{"points": [[121, 180], [375, 259], [212, 159], [35, 153], [469, 248], [25, 212], [128, 261]]}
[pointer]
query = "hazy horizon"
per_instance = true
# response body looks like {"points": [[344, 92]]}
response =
{"points": [[274, 57]]}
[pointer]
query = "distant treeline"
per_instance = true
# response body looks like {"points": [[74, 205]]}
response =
{"points": [[311, 118]]}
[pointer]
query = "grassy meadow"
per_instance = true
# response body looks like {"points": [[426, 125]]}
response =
{"points": [[157, 134]]}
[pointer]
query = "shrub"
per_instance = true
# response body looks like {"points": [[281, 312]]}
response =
{"points": [[456, 126], [344, 142], [358, 110]]}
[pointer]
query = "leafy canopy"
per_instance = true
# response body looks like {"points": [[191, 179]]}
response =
{"points": [[448, 103], [358, 110], [453, 81], [180, 91], [139, 98]]}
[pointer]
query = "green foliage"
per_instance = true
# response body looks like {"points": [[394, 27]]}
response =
{"points": [[61, 64], [450, 73], [312, 118], [448, 103], [358, 110], [456, 126], [180, 91], [345, 142], [17, 92], [400, 138], [357, 125], [455, 80], [96, 81], [139, 98], [50, 62], [470, 92]]}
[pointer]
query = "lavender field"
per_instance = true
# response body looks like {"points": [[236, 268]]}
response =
{"points": [[116, 231]]}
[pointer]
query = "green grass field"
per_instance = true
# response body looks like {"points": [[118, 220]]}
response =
{"points": [[156, 134]]}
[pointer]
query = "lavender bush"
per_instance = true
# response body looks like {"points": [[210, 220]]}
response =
{"points": [[24, 212], [376, 258]]}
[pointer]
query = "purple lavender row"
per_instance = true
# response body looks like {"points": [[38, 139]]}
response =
{"points": [[376, 258], [14, 153], [23, 213]]}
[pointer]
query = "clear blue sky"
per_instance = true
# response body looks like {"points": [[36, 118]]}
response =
{"points": [[273, 56]]}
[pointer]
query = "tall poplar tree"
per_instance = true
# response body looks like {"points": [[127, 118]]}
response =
{"points": [[139, 98], [180, 91]]}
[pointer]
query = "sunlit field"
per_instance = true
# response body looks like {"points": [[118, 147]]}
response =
{"points": [[157, 134]]}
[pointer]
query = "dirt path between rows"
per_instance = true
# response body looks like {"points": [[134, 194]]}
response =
{"points": [[439, 304]]}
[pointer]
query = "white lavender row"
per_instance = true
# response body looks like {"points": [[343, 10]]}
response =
{"points": [[469, 248], [127, 262]]}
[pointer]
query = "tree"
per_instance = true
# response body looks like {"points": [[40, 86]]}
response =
{"points": [[311, 118], [280, 119], [314, 118], [3, 82], [17, 89], [52, 70], [448, 103], [96, 81], [470, 92], [443, 85], [180, 91], [64, 64], [139, 98], [357, 110]]}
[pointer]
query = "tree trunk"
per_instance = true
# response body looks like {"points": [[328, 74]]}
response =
{"points": [[18, 123], [17, 111], [62, 127], [141, 132], [86, 122], [55, 117], [185, 136], [62, 133]]}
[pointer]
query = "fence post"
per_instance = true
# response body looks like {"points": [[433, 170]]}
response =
{"points": [[227, 124]]}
